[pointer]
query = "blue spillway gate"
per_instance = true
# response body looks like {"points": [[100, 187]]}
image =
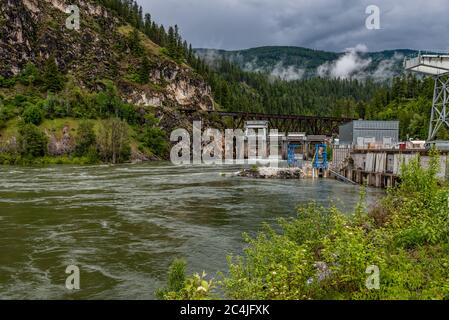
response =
{"points": [[320, 159], [292, 161]]}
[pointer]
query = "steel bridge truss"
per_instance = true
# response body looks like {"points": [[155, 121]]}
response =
{"points": [[311, 125]]}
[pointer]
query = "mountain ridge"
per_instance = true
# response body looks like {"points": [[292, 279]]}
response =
{"points": [[294, 63]]}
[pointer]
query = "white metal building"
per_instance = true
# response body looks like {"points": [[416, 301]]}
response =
{"points": [[363, 134]]}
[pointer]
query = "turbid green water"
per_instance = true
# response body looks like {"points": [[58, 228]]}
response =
{"points": [[123, 225]]}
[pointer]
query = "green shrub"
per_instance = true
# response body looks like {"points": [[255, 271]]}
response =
{"points": [[32, 141], [85, 139], [254, 168], [154, 137], [128, 112], [55, 107], [181, 287], [108, 101], [7, 110], [144, 70], [33, 114], [176, 278], [7, 159], [326, 254], [155, 140], [7, 82], [273, 267], [30, 75]]}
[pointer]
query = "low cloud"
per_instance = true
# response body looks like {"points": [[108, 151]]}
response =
{"points": [[211, 57], [349, 65], [386, 68], [353, 65], [279, 71], [289, 73]]}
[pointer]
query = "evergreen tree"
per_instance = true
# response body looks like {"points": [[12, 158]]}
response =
{"points": [[52, 78], [144, 70], [134, 42]]}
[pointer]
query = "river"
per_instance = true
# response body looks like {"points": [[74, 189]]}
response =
{"points": [[123, 225]]}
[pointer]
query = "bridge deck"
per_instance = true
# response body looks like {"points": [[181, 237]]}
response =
{"points": [[312, 125]]}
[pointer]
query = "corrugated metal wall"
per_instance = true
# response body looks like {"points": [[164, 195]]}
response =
{"points": [[377, 130], [351, 133], [376, 125], [378, 135], [346, 134]]}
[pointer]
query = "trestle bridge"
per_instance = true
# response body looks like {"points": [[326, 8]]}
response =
{"points": [[311, 125]]}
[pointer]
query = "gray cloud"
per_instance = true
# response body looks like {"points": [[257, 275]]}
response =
{"points": [[320, 24]]}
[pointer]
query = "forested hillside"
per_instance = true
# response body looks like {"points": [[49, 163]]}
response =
{"points": [[398, 96], [295, 63], [408, 100], [110, 91], [272, 59], [238, 90], [123, 78]]}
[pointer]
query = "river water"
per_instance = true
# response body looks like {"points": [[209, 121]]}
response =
{"points": [[123, 225]]}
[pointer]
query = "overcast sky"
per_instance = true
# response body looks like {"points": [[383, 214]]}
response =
{"points": [[332, 25]]}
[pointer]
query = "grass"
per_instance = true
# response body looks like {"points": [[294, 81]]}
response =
{"points": [[11, 130], [6, 159], [55, 126], [149, 45]]}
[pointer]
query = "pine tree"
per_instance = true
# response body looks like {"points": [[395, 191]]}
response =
{"points": [[134, 42], [53, 80], [144, 70]]}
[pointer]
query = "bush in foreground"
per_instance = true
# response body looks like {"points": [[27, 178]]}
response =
{"points": [[326, 254]]}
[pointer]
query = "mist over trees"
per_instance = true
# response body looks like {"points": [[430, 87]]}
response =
{"points": [[405, 98]]}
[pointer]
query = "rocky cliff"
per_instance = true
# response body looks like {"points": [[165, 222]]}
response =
{"points": [[35, 30]]}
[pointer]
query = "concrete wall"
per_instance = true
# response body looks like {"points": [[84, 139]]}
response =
{"points": [[339, 155], [384, 162]]}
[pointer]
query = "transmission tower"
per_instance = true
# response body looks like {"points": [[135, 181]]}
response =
{"points": [[436, 66]]}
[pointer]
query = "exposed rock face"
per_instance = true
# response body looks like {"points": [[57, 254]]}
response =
{"points": [[171, 83], [138, 157], [34, 30], [65, 145], [10, 146]]}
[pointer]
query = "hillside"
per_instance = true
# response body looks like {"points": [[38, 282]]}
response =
{"points": [[294, 63], [108, 68], [112, 91], [380, 90]]}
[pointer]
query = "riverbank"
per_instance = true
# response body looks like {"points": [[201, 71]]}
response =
{"points": [[397, 249], [80, 142], [17, 160]]}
